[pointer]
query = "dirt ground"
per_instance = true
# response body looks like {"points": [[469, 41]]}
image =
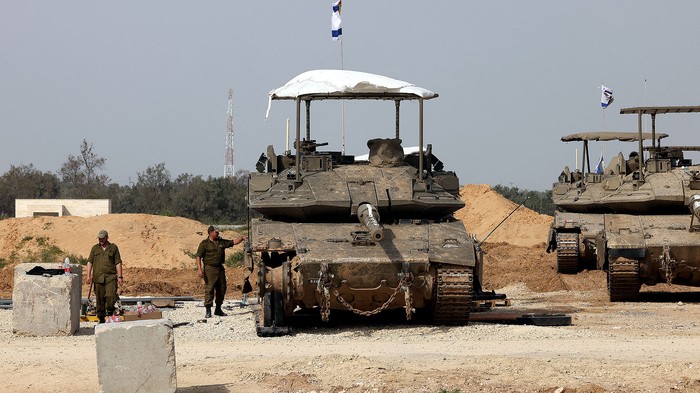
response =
{"points": [[648, 346]]}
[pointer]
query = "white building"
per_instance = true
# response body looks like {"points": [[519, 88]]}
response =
{"points": [[62, 207]]}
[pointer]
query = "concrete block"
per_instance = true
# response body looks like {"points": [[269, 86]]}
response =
{"points": [[46, 306], [136, 356]]}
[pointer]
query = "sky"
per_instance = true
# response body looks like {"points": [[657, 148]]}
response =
{"points": [[146, 82]]}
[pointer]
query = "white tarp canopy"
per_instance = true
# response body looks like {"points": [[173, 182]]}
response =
{"points": [[319, 84]]}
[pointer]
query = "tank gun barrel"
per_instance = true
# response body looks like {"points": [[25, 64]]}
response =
{"points": [[694, 205], [369, 217]]}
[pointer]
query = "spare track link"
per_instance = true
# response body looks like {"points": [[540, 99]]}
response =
{"points": [[455, 288], [567, 252], [623, 280]]}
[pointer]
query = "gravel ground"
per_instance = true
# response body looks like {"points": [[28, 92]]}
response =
{"points": [[621, 347]]}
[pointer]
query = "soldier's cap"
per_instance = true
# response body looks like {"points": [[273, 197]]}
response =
{"points": [[212, 229], [103, 234]]}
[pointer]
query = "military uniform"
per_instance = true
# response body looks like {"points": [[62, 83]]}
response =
{"points": [[104, 275], [213, 256]]}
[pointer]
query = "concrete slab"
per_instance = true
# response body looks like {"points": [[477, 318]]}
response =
{"points": [[136, 356], [46, 306]]}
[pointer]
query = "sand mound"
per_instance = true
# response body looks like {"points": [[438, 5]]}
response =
{"points": [[486, 209], [144, 240], [157, 251]]}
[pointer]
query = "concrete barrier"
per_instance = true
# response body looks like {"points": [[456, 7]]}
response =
{"points": [[46, 306], [136, 356]]}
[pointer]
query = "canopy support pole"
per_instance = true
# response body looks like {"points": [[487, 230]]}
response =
{"points": [[308, 120], [398, 104], [420, 139], [298, 142], [640, 157]]}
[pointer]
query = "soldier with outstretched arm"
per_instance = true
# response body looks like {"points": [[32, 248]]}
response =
{"points": [[210, 258]]}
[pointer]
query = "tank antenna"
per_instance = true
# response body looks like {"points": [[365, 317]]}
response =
{"points": [[504, 220]]}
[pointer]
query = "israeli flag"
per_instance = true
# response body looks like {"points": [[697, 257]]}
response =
{"points": [[336, 30], [606, 97], [601, 164]]}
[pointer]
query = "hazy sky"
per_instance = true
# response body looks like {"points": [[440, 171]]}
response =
{"points": [[146, 81]]}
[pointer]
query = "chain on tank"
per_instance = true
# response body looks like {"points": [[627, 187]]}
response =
{"points": [[322, 289]]}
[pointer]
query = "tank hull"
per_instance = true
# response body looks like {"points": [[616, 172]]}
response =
{"points": [[426, 267], [634, 249]]}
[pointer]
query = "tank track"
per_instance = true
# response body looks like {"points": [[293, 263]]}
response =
{"points": [[567, 253], [454, 292], [623, 280]]}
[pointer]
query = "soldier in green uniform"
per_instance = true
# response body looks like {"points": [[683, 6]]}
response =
{"points": [[105, 270], [210, 253]]}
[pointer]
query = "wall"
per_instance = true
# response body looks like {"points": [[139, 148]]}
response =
{"points": [[62, 207]]}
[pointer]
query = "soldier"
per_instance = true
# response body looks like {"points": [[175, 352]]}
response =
{"points": [[211, 253], [105, 270], [633, 162]]}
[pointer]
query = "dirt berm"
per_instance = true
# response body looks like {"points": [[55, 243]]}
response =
{"points": [[158, 251]]}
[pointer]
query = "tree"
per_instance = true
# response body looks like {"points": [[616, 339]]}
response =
{"points": [[152, 190], [25, 181], [81, 173], [189, 197], [540, 201]]}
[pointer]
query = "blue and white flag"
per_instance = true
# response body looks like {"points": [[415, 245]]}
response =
{"points": [[336, 30], [601, 163], [606, 97]]}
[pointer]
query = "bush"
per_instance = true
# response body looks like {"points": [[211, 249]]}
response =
{"points": [[235, 259]]}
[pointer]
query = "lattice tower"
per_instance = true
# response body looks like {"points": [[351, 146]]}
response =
{"points": [[228, 157]]}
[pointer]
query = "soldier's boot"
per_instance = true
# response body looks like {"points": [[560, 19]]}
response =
{"points": [[219, 311], [208, 313], [100, 318]]}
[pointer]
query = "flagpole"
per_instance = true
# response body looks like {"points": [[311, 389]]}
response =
{"points": [[603, 110], [342, 104], [644, 120], [603, 151]]}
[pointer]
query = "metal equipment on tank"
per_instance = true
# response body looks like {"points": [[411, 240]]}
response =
{"points": [[636, 218], [360, 234]]}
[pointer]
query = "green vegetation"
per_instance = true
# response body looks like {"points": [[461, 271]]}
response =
{"points": [[77, 259], [540, 201], [235, 259], [219, 200], [45, 253]]}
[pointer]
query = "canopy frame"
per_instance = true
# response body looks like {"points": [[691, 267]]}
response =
{"points": [[350, 93], [653, 111]]}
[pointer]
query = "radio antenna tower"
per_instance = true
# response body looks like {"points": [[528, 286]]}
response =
{"points": [[228, 158]]}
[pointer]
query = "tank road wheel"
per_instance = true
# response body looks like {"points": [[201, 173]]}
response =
{"points": [[272, 316], [273, 311], [288, 304], [623, 280], [267, 310], [453, 295], [567, 253]]}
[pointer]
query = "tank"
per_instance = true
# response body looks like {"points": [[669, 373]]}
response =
{"points": [[361, 234], [637, 217]]}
